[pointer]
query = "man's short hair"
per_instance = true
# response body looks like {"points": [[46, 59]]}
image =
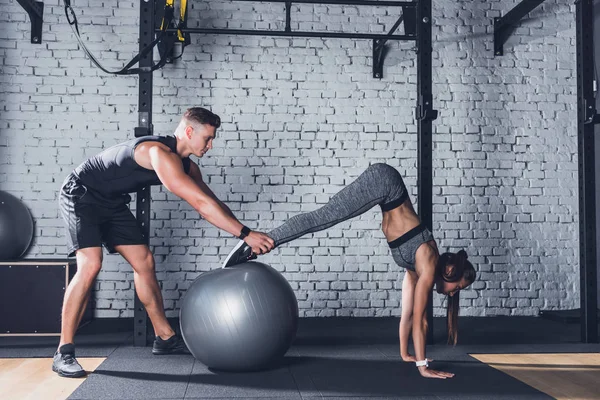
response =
{"points": [[202, 116]]}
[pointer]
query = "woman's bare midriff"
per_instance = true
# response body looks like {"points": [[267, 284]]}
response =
{"points": [[398, 221]]}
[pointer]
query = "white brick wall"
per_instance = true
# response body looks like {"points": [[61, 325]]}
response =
{"points": [[302, 118]]}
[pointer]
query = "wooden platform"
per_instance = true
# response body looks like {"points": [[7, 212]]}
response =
{"points": [[562, 376], [33, 379]]}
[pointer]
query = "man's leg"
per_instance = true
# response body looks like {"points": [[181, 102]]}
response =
{"points": [[146, 286], [89, 262]]}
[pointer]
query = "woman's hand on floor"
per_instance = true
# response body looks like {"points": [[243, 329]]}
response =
{"points": [[432, 373]]}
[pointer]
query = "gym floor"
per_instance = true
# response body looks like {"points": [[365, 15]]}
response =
{"points": [[333, 358]]}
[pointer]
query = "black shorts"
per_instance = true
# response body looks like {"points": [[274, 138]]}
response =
{"points": [[93, 220]]}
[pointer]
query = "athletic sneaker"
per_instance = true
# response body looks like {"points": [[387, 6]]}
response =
{"points": [[240, 253], [65, 364], [173, 345]]}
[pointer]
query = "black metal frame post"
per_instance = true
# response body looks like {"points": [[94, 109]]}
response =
{"points": [[147, 23], [504, 26], [35, 9], [596, 121], [589, 156], [425, 115]]}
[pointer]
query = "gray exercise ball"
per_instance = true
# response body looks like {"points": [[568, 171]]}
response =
{"points": [[16, 227], [240, 318]]}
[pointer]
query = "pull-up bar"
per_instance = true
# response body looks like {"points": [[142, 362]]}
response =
{"points": [[344, 2], [262, 32]]}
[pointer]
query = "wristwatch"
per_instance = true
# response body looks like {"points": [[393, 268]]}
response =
{"points": [[245, 232], [423, 363]]}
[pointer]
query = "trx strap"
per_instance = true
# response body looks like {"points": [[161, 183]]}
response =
{"points": [[127, 70], [183, 23], [182, 37]]}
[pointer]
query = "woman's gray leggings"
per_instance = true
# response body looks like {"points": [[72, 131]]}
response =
{"points": [[379, 184]]}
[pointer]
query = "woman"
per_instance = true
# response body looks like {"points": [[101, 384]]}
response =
{"points": [[412, 245]]}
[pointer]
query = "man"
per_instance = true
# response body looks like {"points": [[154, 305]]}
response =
{"points": [[94, 204]]}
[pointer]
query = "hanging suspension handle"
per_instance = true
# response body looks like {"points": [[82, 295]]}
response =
{"points": [[127, 70]]}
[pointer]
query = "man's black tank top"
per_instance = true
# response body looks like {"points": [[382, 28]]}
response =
{"points": [[114, 172]]}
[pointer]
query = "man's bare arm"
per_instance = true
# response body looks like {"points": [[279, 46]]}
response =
{"points": [[196, 175], [167, 166]]}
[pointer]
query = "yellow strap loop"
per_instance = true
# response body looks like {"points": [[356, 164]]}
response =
{"points": [[168, 3], [182, 12]]}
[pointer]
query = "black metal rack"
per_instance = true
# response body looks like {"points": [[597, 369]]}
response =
{"points": [[417, 19], [418, 27], [416, 16]]}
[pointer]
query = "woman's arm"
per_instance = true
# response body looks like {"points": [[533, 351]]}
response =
{"points": [[406, 320], [408, 291], [423, 288], [419, 329]]}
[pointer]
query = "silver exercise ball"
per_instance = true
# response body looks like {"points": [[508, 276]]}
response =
{"points": [[16, 227], [241, 318]]}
